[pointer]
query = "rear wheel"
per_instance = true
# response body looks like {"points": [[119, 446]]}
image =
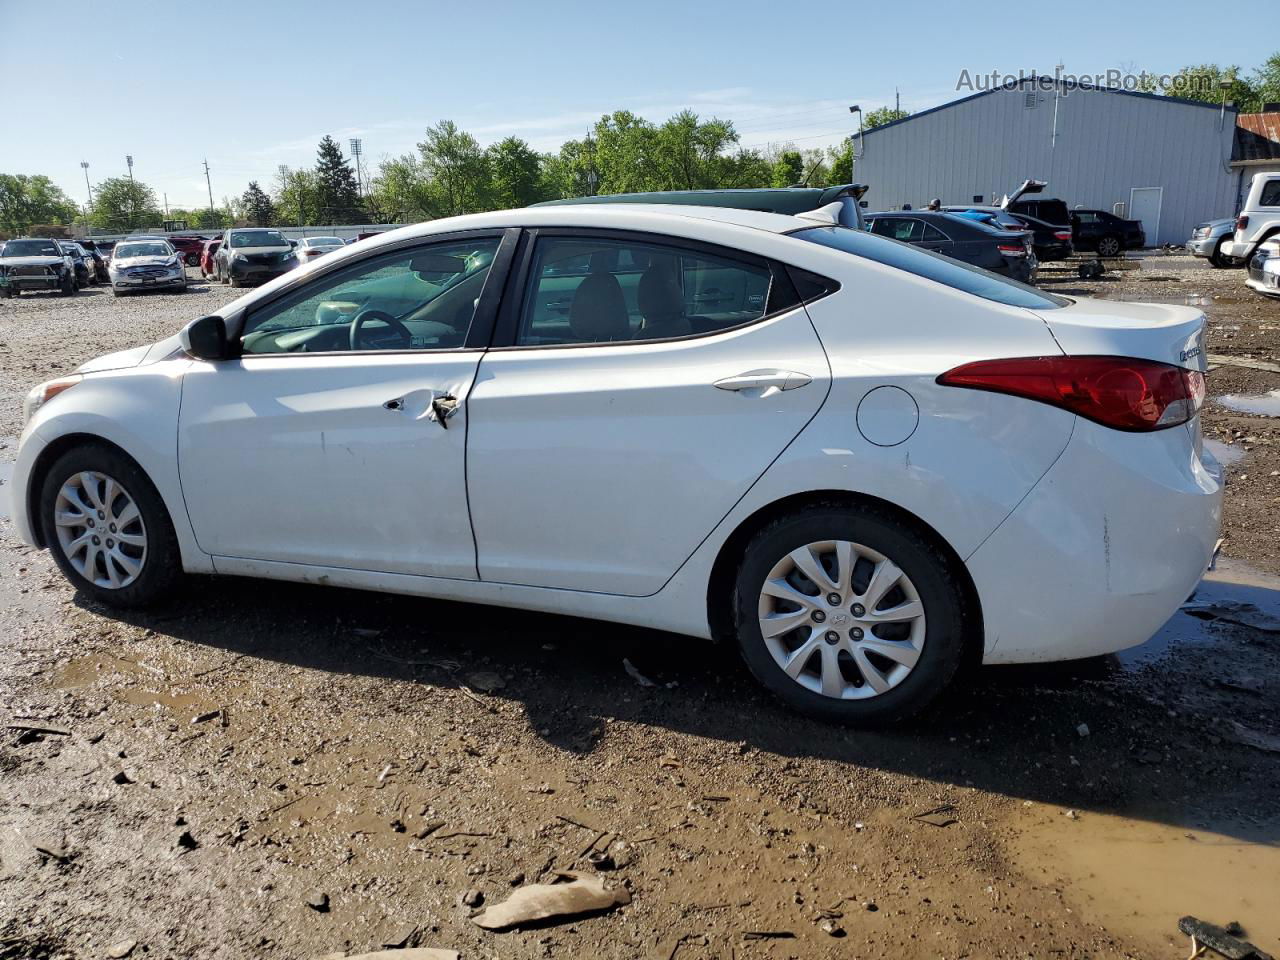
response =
{"points": [[193, 260], [848, 615], [1109, 247], [107, 528]]}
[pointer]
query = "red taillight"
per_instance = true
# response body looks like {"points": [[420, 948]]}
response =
{"points": [[1119, 392], [1010, 250], [1242, 222], [1063, 235]]}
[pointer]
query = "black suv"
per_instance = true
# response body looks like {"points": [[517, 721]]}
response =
{"points": [[1105, 233]]}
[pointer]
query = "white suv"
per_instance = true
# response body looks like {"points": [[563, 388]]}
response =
{"points": [[1259, 221]]}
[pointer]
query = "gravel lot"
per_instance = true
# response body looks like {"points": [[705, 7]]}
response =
{"points": [[254, 749]]}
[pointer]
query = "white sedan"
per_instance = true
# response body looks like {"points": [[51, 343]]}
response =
{"points": [[861, 462]]}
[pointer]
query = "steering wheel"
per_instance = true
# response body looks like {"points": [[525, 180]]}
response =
{"points": [[403, 337]]}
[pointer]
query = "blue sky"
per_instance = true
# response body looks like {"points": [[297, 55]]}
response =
{"points": [[253, 85]]}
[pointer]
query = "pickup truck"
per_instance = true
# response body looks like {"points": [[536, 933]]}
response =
{"points": [[1259, 221]]}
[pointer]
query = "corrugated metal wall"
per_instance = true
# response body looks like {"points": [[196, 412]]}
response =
{"points": [[1107, 144]]}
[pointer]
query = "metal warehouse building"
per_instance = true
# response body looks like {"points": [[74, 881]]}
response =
{"points": [[1167, 161]]}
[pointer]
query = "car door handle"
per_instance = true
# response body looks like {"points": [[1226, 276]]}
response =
{"points": [[764, 380]]}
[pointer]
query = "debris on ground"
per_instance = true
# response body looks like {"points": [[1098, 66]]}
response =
{"points": [[543, 901], [1220, 940], [486, 681], [38, 726], [1239, 612], [831, 928], [401, 936], [1242, 684], [937, 817], [1083, 729], [1267, 742], [472, 898], [768, 935], [318, 902], [122, 949], [635, 674], [412, 953]]}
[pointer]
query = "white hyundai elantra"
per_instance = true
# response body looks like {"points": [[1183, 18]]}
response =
{"points": [[861, 462]]}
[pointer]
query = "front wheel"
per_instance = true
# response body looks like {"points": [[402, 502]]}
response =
{"points": [[1109, 247], [107, 528], [68, 286], [193, 260], [849, 615]]}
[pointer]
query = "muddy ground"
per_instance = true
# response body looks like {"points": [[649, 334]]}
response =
{"points": [[214, 768]]}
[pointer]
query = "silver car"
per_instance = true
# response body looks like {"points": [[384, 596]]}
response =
{"points": [[1207, 240]]}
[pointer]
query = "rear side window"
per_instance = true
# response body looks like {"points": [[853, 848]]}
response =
{"points": [[1270, 194], [932, 266], [899, 228], [584, 290]]}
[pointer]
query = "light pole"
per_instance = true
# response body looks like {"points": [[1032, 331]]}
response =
{"points": [[356, 150], [85, 167], [1225, 87], [129, 160]]}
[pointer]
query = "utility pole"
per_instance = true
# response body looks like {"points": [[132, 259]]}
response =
{"points": [[897, 102], [166, 204], [208, 183]]}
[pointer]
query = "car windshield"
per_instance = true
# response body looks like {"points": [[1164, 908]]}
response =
{"points": [[157, 248], [259, 238], [31, 248], [932, 266]]}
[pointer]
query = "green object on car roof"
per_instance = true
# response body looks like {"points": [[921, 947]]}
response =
{"points": [[788, 200]]}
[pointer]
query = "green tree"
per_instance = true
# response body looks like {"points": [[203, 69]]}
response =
{"points": [[296, 198], [624, 158], [572, 172], [691, 154], [516, 174], [882, 115], [456, 170], [788, 170], [257, 205], [400, 190], [336, 191], [1203, 81], [27, 199], [123, 204], [206, 219], [1266, 82], [840, 162]]}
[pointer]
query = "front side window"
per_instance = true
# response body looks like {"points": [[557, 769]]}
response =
{"points": [[423, 298], [932, 266], [586, 290]]}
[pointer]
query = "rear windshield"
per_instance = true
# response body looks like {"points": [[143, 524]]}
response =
{"points": [[932, 266], [259, 238], [323, 242]]}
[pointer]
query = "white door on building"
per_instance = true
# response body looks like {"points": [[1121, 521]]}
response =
{"points": [[1144, 205]]}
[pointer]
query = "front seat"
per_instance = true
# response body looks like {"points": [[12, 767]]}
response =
{"points": [[598, 313], [661, 303]]}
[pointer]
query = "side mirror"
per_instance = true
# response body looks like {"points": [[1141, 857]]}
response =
{"points": [[205, 338]]}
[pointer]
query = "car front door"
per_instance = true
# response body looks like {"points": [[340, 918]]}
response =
{"points": [[609, 435], [337, 437]]}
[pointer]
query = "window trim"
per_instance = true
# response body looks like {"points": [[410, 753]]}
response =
{"points": [[479, 331], [517, 288]]}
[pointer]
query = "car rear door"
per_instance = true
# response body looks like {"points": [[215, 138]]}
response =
{"points": [[608, 439]]}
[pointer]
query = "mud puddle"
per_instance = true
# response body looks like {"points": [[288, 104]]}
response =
{"points": [[138, 683], [1264, 405], [1137, 877], [1225, 453]]}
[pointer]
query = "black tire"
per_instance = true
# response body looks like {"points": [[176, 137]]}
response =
{"points": [[161, 562], [1109, 247], [234, 281], [1220, 260], [946, 616], [68, 286], [193, 260]]}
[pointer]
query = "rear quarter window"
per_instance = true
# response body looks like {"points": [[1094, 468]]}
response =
{"points": [[1270, 194], [931, 266]]}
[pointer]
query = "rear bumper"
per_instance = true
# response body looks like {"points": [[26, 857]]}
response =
{"points": [[1238, 248], [1107, 546]]}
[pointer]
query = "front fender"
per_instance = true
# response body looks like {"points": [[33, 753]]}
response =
{"points": [[136, 410]]}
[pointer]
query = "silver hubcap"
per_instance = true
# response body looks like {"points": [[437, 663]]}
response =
{"points": [[100, 530], [842, 620]]}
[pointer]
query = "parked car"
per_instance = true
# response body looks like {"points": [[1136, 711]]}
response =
{"points": [[253, 254], [1049, 242], [189, 247], [787, 200], [98, 260], [310, 248], [1104, 233], [1264, 269], [1259, 221], [208, 269], [85, 274], [961, 238], [861, 462], [1210, 238], [147, 264], [38, 263]]}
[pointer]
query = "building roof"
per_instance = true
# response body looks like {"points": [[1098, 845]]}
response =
{"points": [[1257, 138], [1041, 82]]}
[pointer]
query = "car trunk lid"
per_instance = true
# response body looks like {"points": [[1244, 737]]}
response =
{"points": [[1165, 333]]}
